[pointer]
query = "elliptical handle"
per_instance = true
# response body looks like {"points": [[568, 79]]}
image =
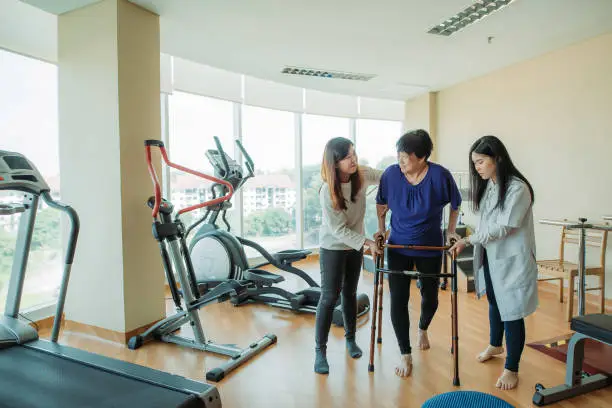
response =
{"points": [[153, 173], [249, 161], [156, 184], [226, 168], [153, 142]]}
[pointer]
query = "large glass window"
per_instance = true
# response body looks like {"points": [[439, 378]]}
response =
{"points": [[194, 121], [269, 198], [316, 131], [29, 125], [375, 143]]}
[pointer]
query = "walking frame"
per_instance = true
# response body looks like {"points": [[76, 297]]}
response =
{"points": [[378, 297]]}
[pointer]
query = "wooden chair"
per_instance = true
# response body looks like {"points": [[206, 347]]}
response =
{"points": [[560, 269]]}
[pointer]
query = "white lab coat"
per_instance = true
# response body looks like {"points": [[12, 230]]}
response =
{"points": [[509, 239]]}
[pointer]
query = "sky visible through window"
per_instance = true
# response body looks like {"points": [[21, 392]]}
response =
{"points": [[29, 110], [29, 125]]}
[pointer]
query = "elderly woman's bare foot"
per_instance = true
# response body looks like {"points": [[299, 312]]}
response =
{"points": [[423, 340], [404, 368]]}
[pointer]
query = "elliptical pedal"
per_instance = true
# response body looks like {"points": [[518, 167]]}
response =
{"points": [[262, 277]]}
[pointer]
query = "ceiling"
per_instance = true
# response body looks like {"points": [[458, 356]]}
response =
{"points": [[387, 38]]}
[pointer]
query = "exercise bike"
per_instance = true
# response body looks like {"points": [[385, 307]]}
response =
{"points": [[217, 255]]}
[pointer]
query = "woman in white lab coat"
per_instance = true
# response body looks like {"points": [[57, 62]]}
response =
{"points": [[504, 250]]}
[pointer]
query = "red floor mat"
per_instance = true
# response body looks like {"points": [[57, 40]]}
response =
{"points": [[597, 356]]}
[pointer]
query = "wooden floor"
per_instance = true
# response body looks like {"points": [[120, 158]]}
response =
{"points": [[283, 377]]}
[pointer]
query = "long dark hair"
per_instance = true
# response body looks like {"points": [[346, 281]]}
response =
{"points": [[337, 149], [505, 169]]}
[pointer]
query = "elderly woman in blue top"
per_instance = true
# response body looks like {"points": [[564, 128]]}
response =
{"points": [[504, 250], [416, 191]]}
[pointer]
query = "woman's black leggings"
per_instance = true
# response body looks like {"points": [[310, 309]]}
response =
{"points": [[399, 288], [340, 271]]}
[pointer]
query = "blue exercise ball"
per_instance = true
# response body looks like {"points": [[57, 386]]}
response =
{"points": [[471, 399]]}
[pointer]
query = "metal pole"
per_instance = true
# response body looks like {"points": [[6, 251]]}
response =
{"points": [[581, 268], [22, 253]]}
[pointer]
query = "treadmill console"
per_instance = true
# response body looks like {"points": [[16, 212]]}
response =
{"points": [[18, 173]]}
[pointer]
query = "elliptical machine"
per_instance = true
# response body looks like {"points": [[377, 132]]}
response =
{"points": [[171, 237], [217, 255]]}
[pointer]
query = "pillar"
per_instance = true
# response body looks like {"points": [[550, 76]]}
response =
{"points": [[109, 103]]}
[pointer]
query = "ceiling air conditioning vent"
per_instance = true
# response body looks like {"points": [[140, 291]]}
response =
{"points": [[326, 73], [469, 15]]}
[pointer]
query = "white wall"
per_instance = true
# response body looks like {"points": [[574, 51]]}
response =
{"points": [[554, 115], [27, 30]]}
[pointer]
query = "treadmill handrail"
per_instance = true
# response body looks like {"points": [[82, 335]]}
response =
{"points": [[75, 226], [156, 184]]}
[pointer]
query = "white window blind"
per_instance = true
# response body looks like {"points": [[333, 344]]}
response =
{"points": [[372, 108], [206, 81], [273, 95], [324, 103]]}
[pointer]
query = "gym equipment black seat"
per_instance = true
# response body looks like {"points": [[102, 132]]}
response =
{"points": [[593, 326]]}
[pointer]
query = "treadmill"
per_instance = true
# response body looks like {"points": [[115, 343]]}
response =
{"points": [[38, 373]]}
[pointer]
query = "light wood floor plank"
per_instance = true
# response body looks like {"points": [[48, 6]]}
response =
{"points": [[283, 377]]}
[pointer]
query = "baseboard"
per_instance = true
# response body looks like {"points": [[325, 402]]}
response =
{"points": [[138, 330], [43, 324], [106, 334]]}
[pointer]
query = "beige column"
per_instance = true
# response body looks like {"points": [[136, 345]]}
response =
{"points": [[109, 103], [422, 113]]}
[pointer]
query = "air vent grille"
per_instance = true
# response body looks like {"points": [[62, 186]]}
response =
{"points": [[323, 73]]}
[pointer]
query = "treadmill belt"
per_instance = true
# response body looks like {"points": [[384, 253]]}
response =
{"points": [[32, 379]]}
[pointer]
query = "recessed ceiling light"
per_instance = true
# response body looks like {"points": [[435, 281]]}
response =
{"points": [[469, 15]]}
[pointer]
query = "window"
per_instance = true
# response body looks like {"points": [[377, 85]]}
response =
{"points": [[269, 198], [194, 121], [29, 125], [316, 131], [375, 144]]}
